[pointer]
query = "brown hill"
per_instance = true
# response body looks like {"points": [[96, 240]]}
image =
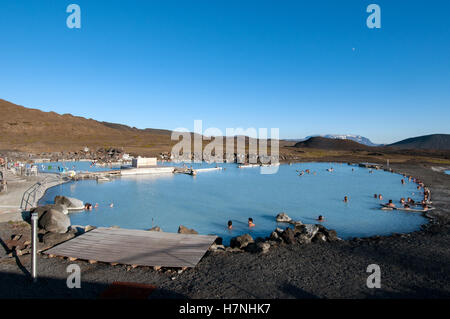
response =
{"points": [[318, 142], [33, 130]]}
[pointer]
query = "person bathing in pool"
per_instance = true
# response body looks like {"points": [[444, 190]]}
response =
{"points": [[230, 225], [390, 204], [320, 218], [250, 223]]}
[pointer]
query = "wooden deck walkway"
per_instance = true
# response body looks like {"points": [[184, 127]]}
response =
{"points": [[136, 247]]}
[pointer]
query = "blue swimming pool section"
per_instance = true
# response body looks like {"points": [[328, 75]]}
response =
{"points": [[447, 172], [78, 166], [207, 201]]}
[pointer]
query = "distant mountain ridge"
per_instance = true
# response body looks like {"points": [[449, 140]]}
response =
{"points": [[319, 142], [434, 142], [426, 142], [352, 137]]}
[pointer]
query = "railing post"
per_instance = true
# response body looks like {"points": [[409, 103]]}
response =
{"points": [[34, 221]]}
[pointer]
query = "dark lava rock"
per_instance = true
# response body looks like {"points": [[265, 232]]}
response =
{"points": [[274, 236], [302, 238], [241, 241], [332, 235], [54, 221], [319, 237], [263, 247], [251, 248], [288, 236], [185, 230]]}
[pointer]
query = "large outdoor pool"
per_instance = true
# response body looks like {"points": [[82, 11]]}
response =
{"points": [[207, 201]]}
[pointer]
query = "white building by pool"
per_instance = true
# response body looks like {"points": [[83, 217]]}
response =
{"points": [[143, 162]]}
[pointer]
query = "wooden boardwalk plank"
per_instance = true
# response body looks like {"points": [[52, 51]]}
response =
{"points": [[136, 247]]}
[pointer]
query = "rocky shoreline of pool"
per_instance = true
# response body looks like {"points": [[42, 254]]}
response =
{"points": [[54, 227], [413, 264]]}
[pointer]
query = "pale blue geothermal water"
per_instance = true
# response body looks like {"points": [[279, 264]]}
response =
{"points": [[84, 166], [207, 201]]}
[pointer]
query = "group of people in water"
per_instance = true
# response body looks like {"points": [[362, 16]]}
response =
{"points": [[406, 204], [251, 224], [409, 202], [308, 171], [303, 172]]}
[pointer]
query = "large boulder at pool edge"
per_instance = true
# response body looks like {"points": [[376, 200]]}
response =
{"points": [[41, 210], [54, 221], [69, 202]]}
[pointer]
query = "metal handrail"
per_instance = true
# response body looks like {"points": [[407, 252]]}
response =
{"points": [[31, 192]]}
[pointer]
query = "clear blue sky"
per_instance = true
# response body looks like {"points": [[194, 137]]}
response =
{"points": [[285, 64]]}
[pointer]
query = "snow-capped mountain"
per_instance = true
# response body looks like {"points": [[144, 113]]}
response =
{"points": [[357, 138]]}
